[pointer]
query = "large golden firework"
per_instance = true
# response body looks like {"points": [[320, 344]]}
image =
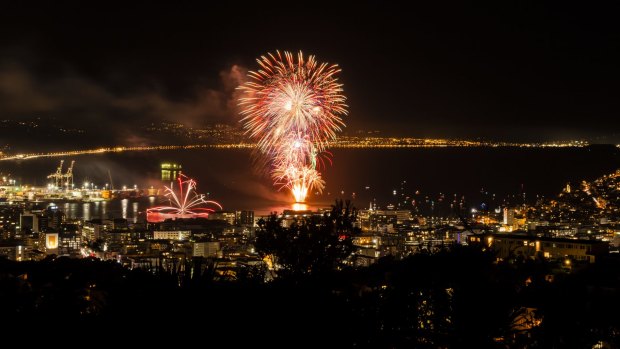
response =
{"points": [[293, 107]]}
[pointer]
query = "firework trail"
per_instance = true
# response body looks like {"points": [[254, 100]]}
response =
{"points": [[293, 108], [187, 204]]}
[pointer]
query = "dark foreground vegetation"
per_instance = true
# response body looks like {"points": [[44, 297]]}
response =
{"points": [[459, 297]]}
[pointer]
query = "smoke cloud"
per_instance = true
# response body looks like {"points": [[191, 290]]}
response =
{"points": [[96, 107]]}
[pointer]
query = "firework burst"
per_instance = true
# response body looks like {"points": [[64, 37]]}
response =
{"points": [[293, 107], [186, 204]]}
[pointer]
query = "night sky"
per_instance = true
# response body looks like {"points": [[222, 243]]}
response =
{"points": [[508, 71]]}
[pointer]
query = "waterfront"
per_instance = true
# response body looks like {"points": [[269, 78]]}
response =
{"points": [[130, 209], [437, 174]]}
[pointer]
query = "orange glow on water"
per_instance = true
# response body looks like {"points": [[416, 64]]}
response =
{"points": [[298, 206]]}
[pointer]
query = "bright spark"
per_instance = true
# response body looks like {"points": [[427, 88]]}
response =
{"points": [[184, 204]]}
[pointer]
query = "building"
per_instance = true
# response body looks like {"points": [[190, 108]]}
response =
{"points": [[206, 249], [229, 217], [9, 221], [384, 221], [180, 235], [291, 216], [120, 224], [69, 239], [402, 216], [363, 219], [14, 251], [244, 218], [30, 222], [170, 171], [529, 246], [55, 217], [51, 243], [509, 216], [96, 228]]}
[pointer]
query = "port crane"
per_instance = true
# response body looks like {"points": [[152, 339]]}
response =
{"points": [[63, 179], [69, 176], [57, 176]]}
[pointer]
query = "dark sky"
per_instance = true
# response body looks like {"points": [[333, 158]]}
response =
{"points": [[508, 70]]}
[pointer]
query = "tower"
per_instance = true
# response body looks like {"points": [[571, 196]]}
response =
{"points": [[170, 171]]}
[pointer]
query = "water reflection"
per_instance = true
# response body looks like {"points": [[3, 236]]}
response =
{"points": [[124, 207], [106, 209], [97, 209], [70, 209], [135, 211], [86, 211], [298, 206]]}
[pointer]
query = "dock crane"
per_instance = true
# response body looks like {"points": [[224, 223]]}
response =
{"points": [[69, 176], [57, 176]]}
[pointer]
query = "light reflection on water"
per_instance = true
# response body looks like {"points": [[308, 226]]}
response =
{"points": [[86, 211], [124, 207], [300, 206], [134, 209], [366, 176], [107, 209], [135, 212]]}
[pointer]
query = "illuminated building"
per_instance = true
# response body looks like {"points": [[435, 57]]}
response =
{"points": [[244, 218], [180, 235], [55, 217], [363, 219], [229, 217], [368, 249], [89, 233], [367, 241], [94, 229], [51, 243], [69, 238], [14, 251], [512, 245], [383, 221], [170, 171], [9, 220], [509, 216], [206, 249], [119, 236], [402, 216]]}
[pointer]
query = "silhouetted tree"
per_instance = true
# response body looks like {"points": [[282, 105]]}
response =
{"points": [[310, 245]]}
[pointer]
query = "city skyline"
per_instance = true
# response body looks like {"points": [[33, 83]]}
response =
{"points": [[310, 174]]}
